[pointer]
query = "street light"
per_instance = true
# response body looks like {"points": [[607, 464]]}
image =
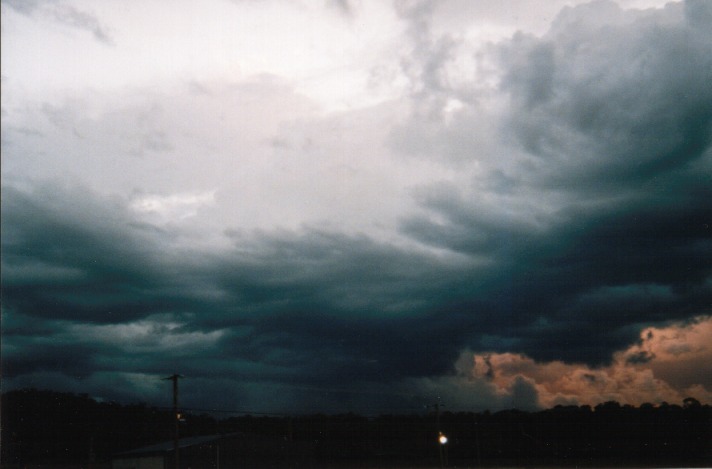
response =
{"points": [[442, 449]]}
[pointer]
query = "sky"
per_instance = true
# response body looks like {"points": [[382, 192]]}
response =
{"points": [[358, 205]]}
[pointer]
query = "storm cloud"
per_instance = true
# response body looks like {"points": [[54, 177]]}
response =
{"points": [[500, 219]]}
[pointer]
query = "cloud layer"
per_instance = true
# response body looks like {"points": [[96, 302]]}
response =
{"points": [[497, 217]]}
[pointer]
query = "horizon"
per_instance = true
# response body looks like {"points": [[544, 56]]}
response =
{"points": [[353, 204], [424, 410]]}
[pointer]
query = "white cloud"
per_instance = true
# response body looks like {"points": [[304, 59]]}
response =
{"points": [[171, 207], [146, 336]]}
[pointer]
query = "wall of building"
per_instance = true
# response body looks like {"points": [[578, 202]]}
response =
{"points": [[145, 462]]}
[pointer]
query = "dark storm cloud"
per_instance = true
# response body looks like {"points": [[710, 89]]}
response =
{"points": [[307, 308], [578, 285], [608, 99], [333, 307], [69, 254], [614, 111], [71, 360]]}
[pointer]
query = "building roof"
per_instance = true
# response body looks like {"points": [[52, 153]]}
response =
{"points": [[167, 446]]}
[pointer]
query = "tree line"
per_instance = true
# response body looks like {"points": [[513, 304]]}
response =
{"points": [[49, 427]]}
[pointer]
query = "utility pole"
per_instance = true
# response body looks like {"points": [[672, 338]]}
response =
{"points": [[176, 418]]}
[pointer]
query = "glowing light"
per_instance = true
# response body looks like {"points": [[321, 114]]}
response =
{"points": [[442, 439]]}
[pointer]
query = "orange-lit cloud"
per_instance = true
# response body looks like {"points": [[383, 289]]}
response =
{"points": [[668, 364]]}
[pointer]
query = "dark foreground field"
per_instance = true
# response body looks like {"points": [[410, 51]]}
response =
{"points": [[377, 465], [45, 429]]}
